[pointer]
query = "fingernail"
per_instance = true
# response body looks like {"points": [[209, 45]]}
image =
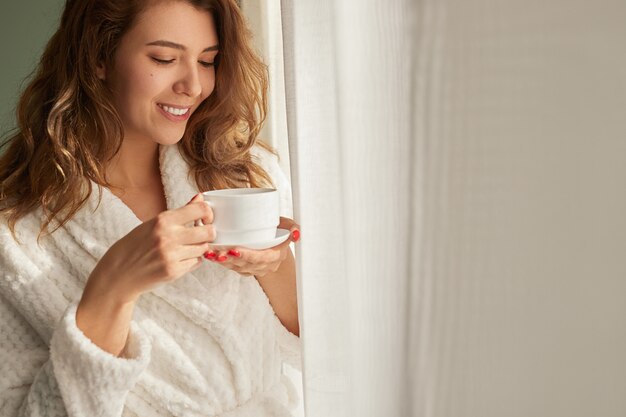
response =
{"points": [[235, 253], [295, 235], [209, 255], [192, 199], [222, 258]]}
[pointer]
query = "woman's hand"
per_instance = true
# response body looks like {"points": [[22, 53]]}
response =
{"points": [[257, 262], [159, 250], [274, 270]]}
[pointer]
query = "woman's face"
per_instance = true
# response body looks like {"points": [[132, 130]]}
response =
{"points": [[163, 71]]}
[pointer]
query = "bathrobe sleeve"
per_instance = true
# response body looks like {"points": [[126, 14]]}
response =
{"points": [[290, 344], [70, 375]]}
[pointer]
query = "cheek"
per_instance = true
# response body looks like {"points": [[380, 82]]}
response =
{"points": [[125, 95], [207, 87], [138, 85], [145, 86]]}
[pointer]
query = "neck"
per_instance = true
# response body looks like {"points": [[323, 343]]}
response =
{"points": [[136, 165]]}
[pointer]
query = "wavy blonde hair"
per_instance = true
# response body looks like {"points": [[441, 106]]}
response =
{"points": [[68, 128]]}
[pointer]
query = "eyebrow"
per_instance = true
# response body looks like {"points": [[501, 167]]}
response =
{"points": [[179, 46]]}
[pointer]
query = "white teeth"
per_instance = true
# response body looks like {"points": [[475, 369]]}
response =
{"points": [[174, 111]]}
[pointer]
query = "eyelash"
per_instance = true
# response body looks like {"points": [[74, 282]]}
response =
{"points": [[165, 62]]}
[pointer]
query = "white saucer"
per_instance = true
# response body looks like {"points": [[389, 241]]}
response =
{"points": [[281, 236]]}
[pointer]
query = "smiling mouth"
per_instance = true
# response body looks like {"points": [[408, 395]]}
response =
{"points": [[175, 111]]}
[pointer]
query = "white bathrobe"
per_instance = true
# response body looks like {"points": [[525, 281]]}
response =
{"points": [[207, 344]]}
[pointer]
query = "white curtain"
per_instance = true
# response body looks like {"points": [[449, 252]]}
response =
{"points": [[348, 73], [459, 172]]}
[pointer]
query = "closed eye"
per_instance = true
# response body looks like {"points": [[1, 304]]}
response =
{"points": [[162, 61], [169, 61]]}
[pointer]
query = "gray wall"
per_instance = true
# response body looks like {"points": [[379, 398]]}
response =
{"points": [[25, 27]]}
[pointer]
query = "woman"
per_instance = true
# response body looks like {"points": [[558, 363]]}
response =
{"points": [[111, 303]]}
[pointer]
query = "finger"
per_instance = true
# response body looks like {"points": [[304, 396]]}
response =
{"points": [[226, 258], [205, 220], [198, 234], [186, 252], [293, 227], [259, 257], [196, 198], [221, 256], [195, 210], [208, 219], [235, 257], [246, 256], [286, 223]]}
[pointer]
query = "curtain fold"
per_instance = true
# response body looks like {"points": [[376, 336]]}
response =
{"points": [[316, 165], [459, 173], [349, 114]]}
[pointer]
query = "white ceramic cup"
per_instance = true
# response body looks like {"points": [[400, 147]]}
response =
{"points": [[244, 215]]}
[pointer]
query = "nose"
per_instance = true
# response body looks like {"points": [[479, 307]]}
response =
{"points": [[189, 82]]}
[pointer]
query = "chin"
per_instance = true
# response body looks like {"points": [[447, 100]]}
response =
{"points": [[171, 140], [168, 142]]}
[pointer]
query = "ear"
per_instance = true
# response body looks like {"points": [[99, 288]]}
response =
{"points": [[101, 71]]}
